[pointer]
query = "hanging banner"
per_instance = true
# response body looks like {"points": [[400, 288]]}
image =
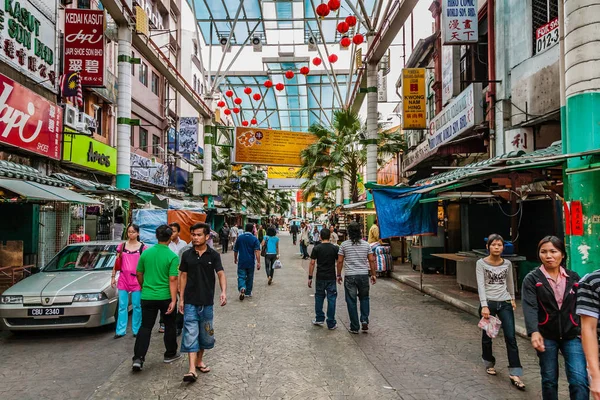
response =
{"points": [[414, 108], [283, 178], [270, 146], [28, 38], [29, 121], [84, 45], [576, 218], [459, 22], [187, 141]]}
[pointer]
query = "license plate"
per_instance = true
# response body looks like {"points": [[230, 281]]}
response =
{"points": [[45, 312]]}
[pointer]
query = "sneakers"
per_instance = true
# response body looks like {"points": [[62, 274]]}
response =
{"points": [[318, 323], [353, 331], [137, 365], [168, 360], [270, 280], [249, 296], [365, 326], [161, 328], [333, 328]]}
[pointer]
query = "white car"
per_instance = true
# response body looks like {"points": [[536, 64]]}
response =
{"points": [[71, 291]]}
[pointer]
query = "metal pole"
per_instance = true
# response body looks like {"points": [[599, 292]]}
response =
{"points": [[210, 47], [362, 20], [124, 109], [228, 45]]}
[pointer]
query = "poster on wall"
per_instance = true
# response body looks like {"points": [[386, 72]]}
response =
{"points": [[187, 143], [84, 45], [28, 39], [145, 170], [459, 22]]}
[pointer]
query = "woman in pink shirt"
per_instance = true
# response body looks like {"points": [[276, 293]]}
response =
{"points": [[127, 282]]}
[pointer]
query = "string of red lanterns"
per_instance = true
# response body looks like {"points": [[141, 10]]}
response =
{"points": [[237, 101], [316, 61], [289, 74], [333, 58], [334, 5], [256, 96], [221, 104], [322, 10], [304, 70], [229, 93], [248, 90]]}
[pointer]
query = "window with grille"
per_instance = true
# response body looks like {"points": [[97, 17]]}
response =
{"points": [[466, 66], [543, 11], [143, 139], [155, 84], [144, 74], [155, 145]]}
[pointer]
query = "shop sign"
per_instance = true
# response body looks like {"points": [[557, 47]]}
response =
{"points": [[459, 21], [28, 38], [520, 139], [89, 153], [147, 170], [84, 45], [412, 159], [460, 115], [414, 110], [450, 73], [573, 218], [283, 178], [546, 36], [29, 121]]}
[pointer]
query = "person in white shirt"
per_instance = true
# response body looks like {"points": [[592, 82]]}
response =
{"points": [[176, 242], [233, 235], [334, 236]]}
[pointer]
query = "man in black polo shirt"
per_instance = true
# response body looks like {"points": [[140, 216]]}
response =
{"points": [[324, 255], [198, 268]]}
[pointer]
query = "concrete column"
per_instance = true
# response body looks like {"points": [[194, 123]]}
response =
{"points": [[582, 93], [346, 191], [208, 143], [338, 196], [371, 123], [124, 109]]}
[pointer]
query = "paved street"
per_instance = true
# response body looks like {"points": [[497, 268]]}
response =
{"points": [[416, 348]]}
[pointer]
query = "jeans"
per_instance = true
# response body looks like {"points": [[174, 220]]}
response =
{"points": [[269, 261], [198, 332], [136, 316], [225, 245], [304, 249], [575, 366], [324, 289], [504, 311], [149, 310], [357, 285], [246, 280]]}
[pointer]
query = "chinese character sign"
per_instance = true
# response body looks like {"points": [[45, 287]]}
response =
{"points": [[459, 21], [84, 45], [414, 114]]}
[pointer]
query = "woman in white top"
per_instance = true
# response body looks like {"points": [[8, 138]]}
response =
{"points": [[497, 297]]}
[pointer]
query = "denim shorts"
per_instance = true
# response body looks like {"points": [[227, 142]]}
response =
{"points": [[198, 333]]}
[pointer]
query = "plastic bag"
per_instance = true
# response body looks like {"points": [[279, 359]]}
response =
{"points": [[277, 264], [490, 325]]}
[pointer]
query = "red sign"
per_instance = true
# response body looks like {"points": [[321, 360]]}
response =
{"points": [[29, 121], [567, 213], [576, 218], [84, 45]]}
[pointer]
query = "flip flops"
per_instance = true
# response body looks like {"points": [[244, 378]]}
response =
{"points": [[190, 377], [203, 368]]}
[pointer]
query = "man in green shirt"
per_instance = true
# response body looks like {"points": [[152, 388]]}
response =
{"points": [[157, 273]]}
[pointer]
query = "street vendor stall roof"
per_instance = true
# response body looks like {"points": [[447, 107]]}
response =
{"points": [[37, 191], [97, 188]]}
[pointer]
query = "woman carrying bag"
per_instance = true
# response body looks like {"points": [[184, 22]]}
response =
{"points": [[497, 297], [128, 255], [270, 250], [549, 301]]}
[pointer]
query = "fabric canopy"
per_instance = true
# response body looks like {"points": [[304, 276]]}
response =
{"points": [[400, 214], [38, 191]]}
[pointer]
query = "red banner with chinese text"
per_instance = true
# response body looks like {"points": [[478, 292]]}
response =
{"points": [[84, 45], [29, 121]]}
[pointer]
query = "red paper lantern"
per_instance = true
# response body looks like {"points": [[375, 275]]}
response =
{"points": [[268, 84], [317, 61], [236, 110], [245, 123], [322, 10], [351, 20], [343, 27], [304, 70], [333, 58], [229, 93], [345, 42], [334, 5], [227, 111], [247, 90], [256, 96], [358, 39], [221, 104], [237, 101], [253, 121], [289, 74], [279, 86]]}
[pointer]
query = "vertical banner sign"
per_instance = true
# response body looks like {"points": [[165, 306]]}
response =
{"points": [[567, 213], [187, 143], [576, 218], [413, 98], [381, 86], [84, 45], [459, 22]]}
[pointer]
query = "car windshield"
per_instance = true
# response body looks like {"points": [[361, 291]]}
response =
{"points": [[84, 258]]}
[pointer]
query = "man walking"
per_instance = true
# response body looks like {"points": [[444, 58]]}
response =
{"points": [[157, 275], [233, 235], [356, 258], [324, 256], [198, 268], [304, 240], [176, 242], [224, 238], [246, 254], [334, 238], [294, 232]]}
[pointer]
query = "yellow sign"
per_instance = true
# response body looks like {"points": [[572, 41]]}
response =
{"points": [[358, 59], [414, 114], [141, 21], [282, 172], [270, 146]]}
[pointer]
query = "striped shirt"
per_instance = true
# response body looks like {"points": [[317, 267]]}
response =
{"points": [[356, 257], [588, 296]]}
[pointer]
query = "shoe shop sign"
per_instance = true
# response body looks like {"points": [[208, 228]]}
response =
{"points": [[84, 45], [29, 121], [28, 38]]}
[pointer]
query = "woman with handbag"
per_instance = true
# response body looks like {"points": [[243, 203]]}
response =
{"points": [[128, 255], [497, 297], [270, 251]]}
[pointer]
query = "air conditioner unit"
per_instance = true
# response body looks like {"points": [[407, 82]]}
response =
{"points": [[71, 116], [88, 122], [256, 44]]}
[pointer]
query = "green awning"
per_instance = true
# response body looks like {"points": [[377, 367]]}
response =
{"points": [[38, 191], [101, 188]]}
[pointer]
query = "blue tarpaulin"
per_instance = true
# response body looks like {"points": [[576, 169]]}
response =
{"points": [[400, 213], [149, 220]]}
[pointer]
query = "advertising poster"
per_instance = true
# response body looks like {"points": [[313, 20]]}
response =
{"points": [[187, 143], [84, 45], [270, 146], [283, 178], [414, 107]]}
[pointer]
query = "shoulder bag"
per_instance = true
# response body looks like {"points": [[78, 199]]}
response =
{"points": [[119, 256], [263, 250]]}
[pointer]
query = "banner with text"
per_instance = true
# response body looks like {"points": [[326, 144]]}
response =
{"points": [[459, 22], [270, 146], [414, 108], [283, 178], [84, 45]]}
